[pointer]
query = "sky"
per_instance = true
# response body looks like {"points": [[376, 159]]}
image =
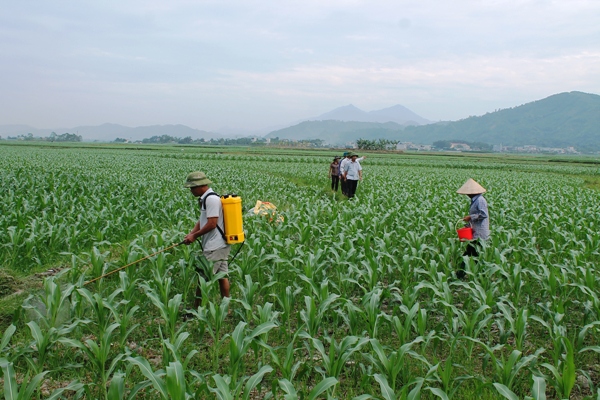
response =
{"points": [[256, 65]]}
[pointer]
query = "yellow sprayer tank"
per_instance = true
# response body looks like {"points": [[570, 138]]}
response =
{"points": [[232, 214]]}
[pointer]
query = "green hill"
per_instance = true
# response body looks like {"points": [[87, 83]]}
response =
{"points": [[565, 119]]}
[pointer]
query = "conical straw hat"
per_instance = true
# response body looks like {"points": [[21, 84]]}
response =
{"points": [[471, 187]]}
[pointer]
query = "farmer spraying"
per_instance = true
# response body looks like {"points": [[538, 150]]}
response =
{"points": [[209, 227], [478, 219]]}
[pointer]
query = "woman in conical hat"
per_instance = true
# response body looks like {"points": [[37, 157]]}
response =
{"points": [[478, 218]]}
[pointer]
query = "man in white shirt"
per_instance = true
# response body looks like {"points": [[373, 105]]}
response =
{"points": [[211, 228], [352, 174], [345, 160]]}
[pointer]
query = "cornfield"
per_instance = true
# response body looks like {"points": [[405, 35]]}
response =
{"points": [[342, 300]]}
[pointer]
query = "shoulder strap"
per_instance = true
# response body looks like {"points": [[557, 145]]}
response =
{"points": [[206, 197], [204, 207]]}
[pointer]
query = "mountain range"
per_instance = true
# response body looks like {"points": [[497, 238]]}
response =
{"points": [[561, 120]]}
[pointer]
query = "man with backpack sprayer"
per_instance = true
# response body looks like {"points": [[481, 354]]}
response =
{"points": [[210, 227]]}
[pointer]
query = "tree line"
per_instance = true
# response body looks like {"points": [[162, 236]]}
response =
{"points": [[54, 137]]}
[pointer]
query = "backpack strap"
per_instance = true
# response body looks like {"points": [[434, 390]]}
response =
{"points": [[203, 207]]}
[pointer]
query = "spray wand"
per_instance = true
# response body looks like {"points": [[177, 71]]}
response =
{"points": [[135, 262]]}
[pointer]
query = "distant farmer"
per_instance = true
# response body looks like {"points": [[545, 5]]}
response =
{"points": [[334, 173], [352, 174], [210, 226], [478, 218]]}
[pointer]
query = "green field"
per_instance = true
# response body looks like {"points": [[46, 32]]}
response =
{"points": [[341, 300]]}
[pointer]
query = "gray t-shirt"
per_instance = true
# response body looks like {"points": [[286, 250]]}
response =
{"points": [[212, 240]]}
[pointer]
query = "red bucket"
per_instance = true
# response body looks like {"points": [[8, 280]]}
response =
{"points": [[464, 234]]}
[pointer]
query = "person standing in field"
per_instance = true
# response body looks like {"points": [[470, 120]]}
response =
{"points": [[345, 159], [334, 173], [352, 174], [210, 227], [478, 218]]}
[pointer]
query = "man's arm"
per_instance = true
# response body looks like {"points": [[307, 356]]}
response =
{"points": [[360, 175], [211, 224]]}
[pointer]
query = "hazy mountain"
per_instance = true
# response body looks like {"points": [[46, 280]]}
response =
{"points": [[109, 132], [338, 132], [561, 120], [345, 113], [398, 114]]}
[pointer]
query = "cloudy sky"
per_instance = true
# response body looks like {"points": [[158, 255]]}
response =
{"points": [[256, 64]]}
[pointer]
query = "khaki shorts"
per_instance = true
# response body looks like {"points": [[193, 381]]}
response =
{"points": [[219, 259]]}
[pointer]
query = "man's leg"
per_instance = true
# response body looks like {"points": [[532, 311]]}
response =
{"points": [[222, 266], [351, 188], [224, 287], [470, 251]]}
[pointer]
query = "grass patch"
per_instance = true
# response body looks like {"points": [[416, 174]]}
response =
{"points": [[591, 182]]}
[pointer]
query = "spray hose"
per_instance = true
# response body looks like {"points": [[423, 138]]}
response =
{"points": [[135, 262]]}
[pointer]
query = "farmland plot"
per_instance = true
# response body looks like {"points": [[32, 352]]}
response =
{"points": [[343, 299]]}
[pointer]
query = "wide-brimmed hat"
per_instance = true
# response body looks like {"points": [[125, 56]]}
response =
{"points": [[345, 154], [471, 187], [336, 158], [352, 155], [196, 178]]}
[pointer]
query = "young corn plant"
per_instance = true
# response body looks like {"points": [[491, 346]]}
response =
{"points": [[29, 387], [242, 389], [334, 361], [240, 342], [518, 325], [450, 384], [214, 319], [392, 365], [373, 313], [98, 355], [312, 316], [563, 371], [171, 384], [506, 370], [169, 312], [285, 365], [321, 387], [287, 301], [538, 390]]}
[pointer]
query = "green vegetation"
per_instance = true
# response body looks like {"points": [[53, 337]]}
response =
{"points": [[343, 299]]}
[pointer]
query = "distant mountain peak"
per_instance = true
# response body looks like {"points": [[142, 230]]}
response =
{"points": [[397, 113]]}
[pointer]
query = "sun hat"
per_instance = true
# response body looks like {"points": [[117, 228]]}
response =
{"points": [[353, 155], [471, 187], [196, 178]]}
